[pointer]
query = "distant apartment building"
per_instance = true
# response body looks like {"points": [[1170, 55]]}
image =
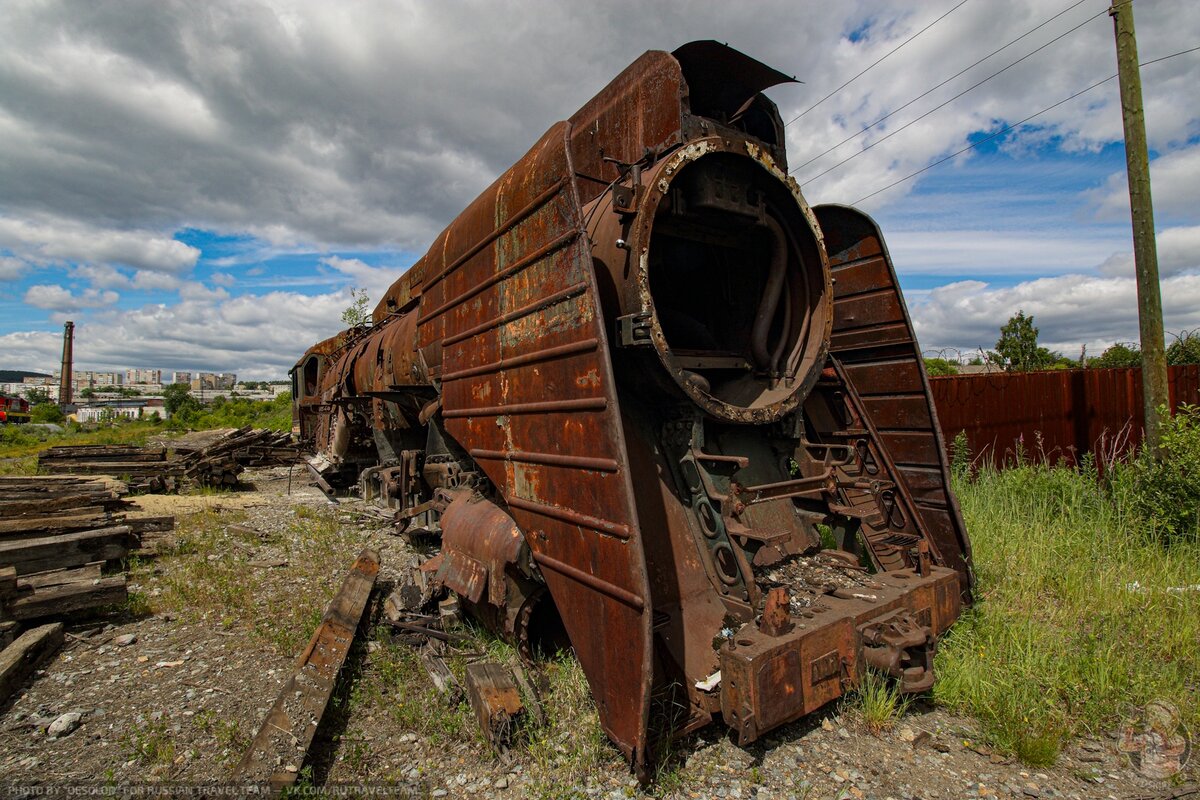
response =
{"points": [[181, 377], [143, 376], [93, 380], [213, 380], [40, 380]]}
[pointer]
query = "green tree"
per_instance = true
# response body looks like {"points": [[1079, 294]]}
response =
{"points": [[87, 393], [938, 367], [1185, 349], [46, 412], [357, 313], [37, 396], [177, 398], [1017, 349], [1121, 354]]}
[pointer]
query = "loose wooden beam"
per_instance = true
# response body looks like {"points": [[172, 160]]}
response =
{"points": [[443, 679], [132, 468], [36, 510], [278, 751], [496, 701], [58, 577], [19, 527], [140, 525], [64, 599], [67, 550], [22, 657]]}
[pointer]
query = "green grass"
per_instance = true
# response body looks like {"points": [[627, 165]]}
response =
{"points": [[19, 442], [206, 574], [23, 443], [226, 733], [150, 744], [564, 757], [571, 750], [1082, 613], [398, 683], [879, 702]]}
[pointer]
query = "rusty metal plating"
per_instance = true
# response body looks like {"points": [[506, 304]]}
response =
{"points": [[660, 409]]}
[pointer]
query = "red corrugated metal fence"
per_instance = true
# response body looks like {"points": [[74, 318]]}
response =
{"points": [[1075, 411]]}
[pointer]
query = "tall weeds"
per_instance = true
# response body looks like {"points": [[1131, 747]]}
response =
{"points": [[1083, 612]]}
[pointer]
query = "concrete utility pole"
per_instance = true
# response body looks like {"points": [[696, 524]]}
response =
{"points": [[1145, 252]]}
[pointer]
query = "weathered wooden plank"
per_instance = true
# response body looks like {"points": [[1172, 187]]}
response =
{"points": [[56, 600], [67, 550], [59, 577], [25, 494], [99, 458], [19, 527], [68, 450], [26, 506], [322, 484], [45, 486], [41, 480], [27, 653], [140, 525], [72, 519], [496, 701], [8, 582], [443, 679], [131, 468], [278, 751]]}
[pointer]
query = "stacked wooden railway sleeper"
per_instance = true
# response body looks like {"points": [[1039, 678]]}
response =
{"points": [[220, 461], [60, 538], [145, 469], [250, 447]]}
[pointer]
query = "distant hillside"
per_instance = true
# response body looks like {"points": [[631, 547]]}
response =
{"points": [[18, 375]]}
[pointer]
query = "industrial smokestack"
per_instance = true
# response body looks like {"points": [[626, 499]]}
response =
{"points": [[64, 386]]}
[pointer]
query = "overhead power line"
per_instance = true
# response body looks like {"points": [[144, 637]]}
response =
{"points": [[1008, 128], [877, 62], [930, 91], [942, 105]]}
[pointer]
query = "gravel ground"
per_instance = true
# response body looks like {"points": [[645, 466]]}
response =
{"points": [[174, 689]]}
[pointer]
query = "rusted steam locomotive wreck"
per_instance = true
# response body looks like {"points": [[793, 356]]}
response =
{"points": [[658, 407]]}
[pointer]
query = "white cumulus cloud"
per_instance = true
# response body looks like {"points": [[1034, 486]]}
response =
{"points": [[56, 298]]}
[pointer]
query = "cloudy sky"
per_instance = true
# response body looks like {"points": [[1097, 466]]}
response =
{"points": [[198, 185]]}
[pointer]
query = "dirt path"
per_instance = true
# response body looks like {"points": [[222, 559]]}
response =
{"points": [[219, 616]]}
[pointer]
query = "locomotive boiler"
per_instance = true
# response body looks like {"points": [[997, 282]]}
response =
{"points": [[660, 409]]}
